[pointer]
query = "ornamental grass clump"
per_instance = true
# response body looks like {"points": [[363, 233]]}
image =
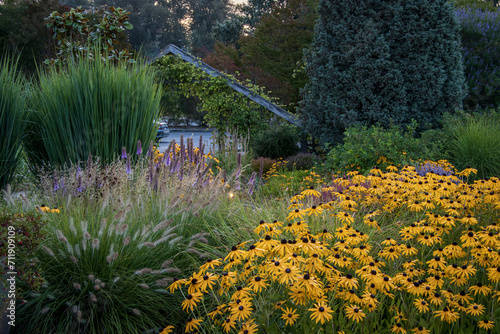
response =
{"points": [[91, 107], [391, 252], [122, 232], [473, 140], [12, 119], [102, 275]]}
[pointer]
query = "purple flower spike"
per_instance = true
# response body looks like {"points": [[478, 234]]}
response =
{"points": [[128, 166], [139, 147], [124, 152]]}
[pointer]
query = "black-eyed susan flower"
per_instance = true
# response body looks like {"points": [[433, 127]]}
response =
{"points": [[479, 288], [235, 254], [354, 313], [348, 282], [283, 248], [494, 274], [241, 293], [311, 192], [321, 312], [191, 300], [287, 274], [475, 309], [242, 311], [210, 264], [447, 315], [399, 317], [207, 281], [257, 284], [192, 324], [267, 243], [296, 214], [420, 330], [167, 330], [217, 311], [228, 324], [398, 329], [290, 316], [345, 217], [248, 327], [176, 284], [486, 324], [421, 305]]}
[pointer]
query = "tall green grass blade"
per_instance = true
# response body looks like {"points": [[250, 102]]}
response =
{"points": [[12, 110]]}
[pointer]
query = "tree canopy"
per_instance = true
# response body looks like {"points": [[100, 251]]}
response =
{"points": [[385, 62]]}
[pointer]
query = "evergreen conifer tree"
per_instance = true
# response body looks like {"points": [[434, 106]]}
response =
{"points": [[382, 61]]}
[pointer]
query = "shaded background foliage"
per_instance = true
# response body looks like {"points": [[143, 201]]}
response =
{"points": [[382, 61], [480, 37]]}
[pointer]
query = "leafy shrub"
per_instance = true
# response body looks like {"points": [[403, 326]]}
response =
{"points": [[480, 37], [12, 119], [276, 142], [302, 161], [364, 148], [473, 140], [92, 108]]}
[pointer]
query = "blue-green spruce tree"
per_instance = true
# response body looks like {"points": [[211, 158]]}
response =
{"points": [[382, 61]]}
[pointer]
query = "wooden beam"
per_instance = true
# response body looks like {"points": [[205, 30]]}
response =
{"points": [[231, 82]]}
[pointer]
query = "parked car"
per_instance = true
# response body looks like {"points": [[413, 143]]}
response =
{"points": [[159, 135], [163, 131], [165, 128]]}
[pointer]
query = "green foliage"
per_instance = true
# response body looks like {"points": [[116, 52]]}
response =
{"points": [[100, 278], [204, 16], [302, 161], [366, 147], [479, 34], [276, 142], [276, 47], [483, 5], [382, 62], [125, 230], [26, 232], [92, 108], [23, 31], [473, 140], [224, 107], [76, 39], [12, 119]]}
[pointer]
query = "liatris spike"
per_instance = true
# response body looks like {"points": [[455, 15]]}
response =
{"points": [[124, 152], [139, 147], [183, 153], [150, 150], [173, 149], [129, 169], [190, 150]]}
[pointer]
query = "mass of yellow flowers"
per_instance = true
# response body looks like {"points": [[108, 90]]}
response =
{"points": [[392, 252]]}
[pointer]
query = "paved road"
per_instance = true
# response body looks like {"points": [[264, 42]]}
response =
{"points": [[175, 134]]}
